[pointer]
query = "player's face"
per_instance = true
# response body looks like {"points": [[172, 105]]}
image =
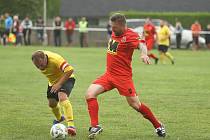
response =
{"points": [[118, 28], [40, 63]]}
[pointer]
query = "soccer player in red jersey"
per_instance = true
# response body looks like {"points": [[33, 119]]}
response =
{"points": [[149, 33], [119, 75]]}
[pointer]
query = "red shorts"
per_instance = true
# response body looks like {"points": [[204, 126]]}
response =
{"points": [[150, 44], [124, 86]]}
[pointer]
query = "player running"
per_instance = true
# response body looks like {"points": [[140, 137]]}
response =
{"points": [[163, 38], [149, 34], [61, 82], [119, 75]]}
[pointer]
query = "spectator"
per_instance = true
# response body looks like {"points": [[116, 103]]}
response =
{"points": [[57, 24], [69, 25], [27, 24], [8, 26], [2, 30], [196, 28], [178, 31], [207, 36], [16, 30], [40, 32], [83, 24]]}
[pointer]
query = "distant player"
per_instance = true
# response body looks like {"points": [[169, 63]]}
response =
{"points": [[163, 37], [119, 75], [149, 33], [61, 82]]}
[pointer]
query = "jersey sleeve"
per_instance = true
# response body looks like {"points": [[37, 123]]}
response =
{"points": [[135, 40], [63, 65]]}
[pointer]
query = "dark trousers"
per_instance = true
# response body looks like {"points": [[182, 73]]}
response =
{"points": [[27, 36], [57, 37], [69, 35], [83, 40], [178, 40]]}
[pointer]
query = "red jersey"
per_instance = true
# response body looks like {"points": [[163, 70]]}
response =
{"points": [[149, 31], [119, 53], [70, 25]]}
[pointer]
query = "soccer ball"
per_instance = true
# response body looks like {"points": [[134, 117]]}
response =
{"points": [[58, 132]]}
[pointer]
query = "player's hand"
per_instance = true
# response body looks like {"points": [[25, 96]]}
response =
{"points": [[55, 88], [145, 59]]}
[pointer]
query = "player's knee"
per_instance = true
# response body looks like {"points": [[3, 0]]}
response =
{"points": [[90, 94], [134, 105], [52, 104]]}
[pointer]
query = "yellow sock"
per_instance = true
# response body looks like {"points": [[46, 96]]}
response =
{"points": [[162, 57], [169, 56], [68, 112], [57, 112]]}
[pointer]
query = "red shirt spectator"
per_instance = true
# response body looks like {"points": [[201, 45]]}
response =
{"points": [[69, 25]]}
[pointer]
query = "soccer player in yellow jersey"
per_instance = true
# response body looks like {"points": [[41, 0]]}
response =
{"points": [[61, 82], [163, 39]]}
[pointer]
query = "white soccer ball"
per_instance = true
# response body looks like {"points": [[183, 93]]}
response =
{"points": [[58, 132]]}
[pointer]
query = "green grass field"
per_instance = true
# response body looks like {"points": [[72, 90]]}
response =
{"points": [[179, 95]]}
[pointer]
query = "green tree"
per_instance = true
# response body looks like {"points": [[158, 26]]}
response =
{"points": [[31, 8]]}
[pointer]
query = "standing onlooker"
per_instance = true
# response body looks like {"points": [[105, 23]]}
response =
{"points": [[16, 30], [83, 24], [163, 37], [57, 24], [8, 27], [178, 31], [69, 25], [2, 29], [40, 32], [149, 34], [27, 24], [196, 28], [207, 36]]}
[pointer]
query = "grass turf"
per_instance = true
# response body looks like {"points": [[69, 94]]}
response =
{"points": [[179, 95]]}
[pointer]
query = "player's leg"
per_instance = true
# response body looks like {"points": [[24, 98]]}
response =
{"points": [[161, 53], [168, 55], [99, 86], [56, 110], [134, 102], [150, 44], [91, 98], [127, 89], [63, 95], [53, 104]]}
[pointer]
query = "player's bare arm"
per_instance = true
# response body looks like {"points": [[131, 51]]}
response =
{"points": [[62, 80], [143, 53]]}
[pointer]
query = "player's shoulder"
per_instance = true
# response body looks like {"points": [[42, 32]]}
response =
{"points": [[131, 33]]}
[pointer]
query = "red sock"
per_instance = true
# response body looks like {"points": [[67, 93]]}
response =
{"points": [[151, 55], [93, 111], [147, 113]]}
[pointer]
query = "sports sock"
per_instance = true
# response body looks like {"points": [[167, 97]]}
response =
{"points": [[169, 56], [68, 112], [151, 55], [162, 58], [93, 111], [147, 114], [57, 112]]}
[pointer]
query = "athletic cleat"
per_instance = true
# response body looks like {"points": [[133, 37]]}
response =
{"points": [[161, 131], [156, 60], [71, 130], [59, 121], [93, 131]]}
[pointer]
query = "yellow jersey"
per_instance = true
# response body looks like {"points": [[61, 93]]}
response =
{"points": [[56, 67], [163, 36]]}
